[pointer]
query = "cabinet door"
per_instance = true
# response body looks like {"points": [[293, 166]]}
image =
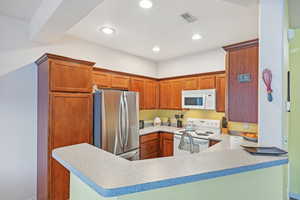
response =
{"points": [[70, 77], [207, 82], [149, 146], [120, 82], [165, 95], [70, 123], [102, 79], [151, 94], [166, 144], [243, 96], [221, 92], [176, 90], [138, 85], [190, 84]]}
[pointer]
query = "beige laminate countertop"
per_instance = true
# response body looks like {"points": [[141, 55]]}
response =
{"points": [[110, 175]]}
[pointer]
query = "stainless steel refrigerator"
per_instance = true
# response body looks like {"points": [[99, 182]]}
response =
{"points": [[116, 122]]}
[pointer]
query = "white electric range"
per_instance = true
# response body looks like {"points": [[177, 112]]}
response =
{"points": [[202, 130]]}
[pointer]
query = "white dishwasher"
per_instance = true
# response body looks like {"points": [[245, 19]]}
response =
{"points": [[198, 145]]}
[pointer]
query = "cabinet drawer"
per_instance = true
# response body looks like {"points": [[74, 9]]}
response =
{"points": [[149, 137], [70, 77], [149, 147]]}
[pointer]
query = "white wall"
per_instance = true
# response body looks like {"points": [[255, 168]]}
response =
{"points": [[16, 50], [18, 124], [272, 115], [209, 61]]}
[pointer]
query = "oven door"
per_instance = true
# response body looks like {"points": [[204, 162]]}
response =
{"points": [[193, 101]]}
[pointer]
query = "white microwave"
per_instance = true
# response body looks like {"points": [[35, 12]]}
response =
{"points": [[199, 99]]}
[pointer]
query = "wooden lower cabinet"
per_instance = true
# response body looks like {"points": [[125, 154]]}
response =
{"points": [[166, 144], [212, 142], [156, 145]]}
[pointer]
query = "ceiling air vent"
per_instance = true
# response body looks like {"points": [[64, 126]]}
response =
{"points": [[188, 17]]}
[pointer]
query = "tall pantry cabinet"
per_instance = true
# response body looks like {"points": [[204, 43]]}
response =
{"points": [[64, 118]]}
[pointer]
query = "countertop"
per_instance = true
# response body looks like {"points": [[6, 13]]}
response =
{"points": [[110, 175]]}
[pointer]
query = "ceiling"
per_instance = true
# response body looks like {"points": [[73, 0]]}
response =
{"points": [[220, 22], [21, 9]]}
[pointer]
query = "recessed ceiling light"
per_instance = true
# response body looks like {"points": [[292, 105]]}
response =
{"points": [[146, 4], [108, 30], [156, 49], [197, 36]]}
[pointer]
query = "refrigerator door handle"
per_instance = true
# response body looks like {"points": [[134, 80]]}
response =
{"points": [[120, 122], [127, 120]]}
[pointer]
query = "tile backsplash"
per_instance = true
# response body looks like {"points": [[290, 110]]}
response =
{"points": [[149, 115]]}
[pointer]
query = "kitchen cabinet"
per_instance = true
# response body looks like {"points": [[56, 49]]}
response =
{"points": [[166, 144], [138, 85], [70, 77], [120, 82], [151, 94], [71, 123], [176, 90], [207, 82], [190, 83], [64, 118], [149, 146], [213, 142], [156, 145], [165, 95], [220, 92], [102, 79], [242, 59]]}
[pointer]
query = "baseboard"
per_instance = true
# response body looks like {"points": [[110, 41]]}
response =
{"points": [[295, 196]]}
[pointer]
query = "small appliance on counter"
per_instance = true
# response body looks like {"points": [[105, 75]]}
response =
{"points": [[157, 121]]}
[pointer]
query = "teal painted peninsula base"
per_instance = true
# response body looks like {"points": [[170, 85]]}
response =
{"points": [[262, 184]]}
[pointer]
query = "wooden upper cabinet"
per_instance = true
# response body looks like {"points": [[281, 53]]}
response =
{"points": [[166, 144], [151, 96], [70, 77], [138, 85], [120, 82], [190, 83], [102, 79], [207, 82], [70, 123], [242, 96], [165, 94], [176, 91], [220, 92]]}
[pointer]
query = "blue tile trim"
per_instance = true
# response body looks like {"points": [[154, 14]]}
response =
{"points": [[294, 196], [165, 183]]}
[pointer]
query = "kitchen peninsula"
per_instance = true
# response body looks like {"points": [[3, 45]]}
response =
{"points": [[97, 174]]}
